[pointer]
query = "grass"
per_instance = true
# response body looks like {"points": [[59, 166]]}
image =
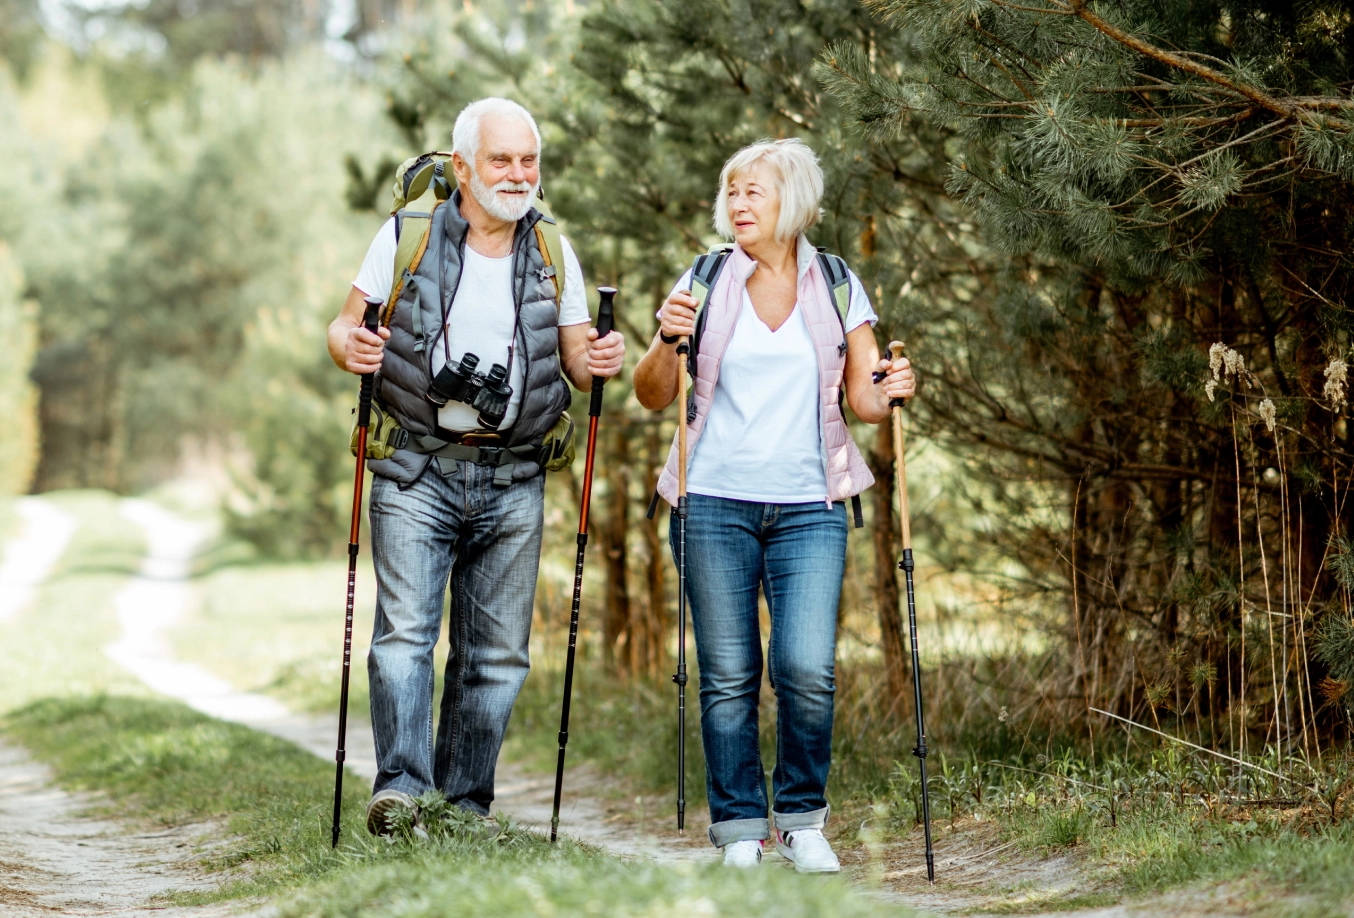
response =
{"points": [[278, 629], [159, 761], [1153, 822]]}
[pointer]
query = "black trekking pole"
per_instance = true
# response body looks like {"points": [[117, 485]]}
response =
{"points": [[604, 320], [683, 348], [907, 564], [371, 320]]}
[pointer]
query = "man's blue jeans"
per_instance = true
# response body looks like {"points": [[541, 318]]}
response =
{"points": [[487, 539], [797, 554]]}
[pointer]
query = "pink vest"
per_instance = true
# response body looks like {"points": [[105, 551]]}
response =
{"points": [[846, 472]]}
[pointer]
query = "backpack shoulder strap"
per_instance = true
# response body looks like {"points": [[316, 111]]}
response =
{"points": [[838, 287], [706, 270], [704, 273], [550, 246], [412, 223]]}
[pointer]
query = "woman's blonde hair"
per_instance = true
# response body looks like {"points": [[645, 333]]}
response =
{"points": [[798, 179]]}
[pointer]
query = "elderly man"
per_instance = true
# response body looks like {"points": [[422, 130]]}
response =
{"points": [[465, 500]]}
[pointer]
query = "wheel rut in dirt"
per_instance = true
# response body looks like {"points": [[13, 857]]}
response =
{"points": [[56, 860]]}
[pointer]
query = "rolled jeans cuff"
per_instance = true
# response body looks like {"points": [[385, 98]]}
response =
{"points": [[736, 830], [789, 822]]}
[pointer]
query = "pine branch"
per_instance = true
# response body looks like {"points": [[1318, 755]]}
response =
{"points": [[1180, 62]]}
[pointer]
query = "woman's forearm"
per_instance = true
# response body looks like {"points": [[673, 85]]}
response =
{"points": [[655, 376]]}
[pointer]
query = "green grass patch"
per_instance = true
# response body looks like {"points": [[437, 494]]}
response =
{"points": [[278, 629], [626, 729], [160, 761]]}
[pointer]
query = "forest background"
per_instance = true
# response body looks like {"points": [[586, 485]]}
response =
{"points": [[1114, 238]]}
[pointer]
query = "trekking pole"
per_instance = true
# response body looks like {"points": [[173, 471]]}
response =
{"points": [[604, 319], [371, 320], [683, 348], [907, 564]]}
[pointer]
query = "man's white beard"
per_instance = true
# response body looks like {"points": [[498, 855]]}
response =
{"points": [[499, 207]]}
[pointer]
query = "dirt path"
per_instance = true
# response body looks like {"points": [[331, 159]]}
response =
{"points": [[30, 556], [55, 861]]}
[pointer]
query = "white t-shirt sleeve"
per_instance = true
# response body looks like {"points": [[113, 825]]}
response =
{"points": [[573, 307], [378, 268], [859, 311]]}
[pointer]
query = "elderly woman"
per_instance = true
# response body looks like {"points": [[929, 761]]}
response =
{"points": [[771, 463]]}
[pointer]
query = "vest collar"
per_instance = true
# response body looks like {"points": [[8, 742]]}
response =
{"points": [[744, 264]]}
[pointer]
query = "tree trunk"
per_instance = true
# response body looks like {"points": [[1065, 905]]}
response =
{"points": [[656, 614], [887, 541], [617, 624]]}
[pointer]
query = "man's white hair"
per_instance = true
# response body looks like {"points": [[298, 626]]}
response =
{"points": [[798, 178], [465, 135]]}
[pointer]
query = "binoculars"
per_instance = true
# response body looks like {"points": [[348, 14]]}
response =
{"points": [[488, 393]]}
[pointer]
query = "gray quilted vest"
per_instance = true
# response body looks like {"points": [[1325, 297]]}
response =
{"points": [[406, 368]]}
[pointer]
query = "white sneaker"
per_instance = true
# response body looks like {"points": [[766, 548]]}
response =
{"points": [[808, 850], [746, 853]]}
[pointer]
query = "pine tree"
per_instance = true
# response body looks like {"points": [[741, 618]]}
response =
{"points": [[1162, 178]]}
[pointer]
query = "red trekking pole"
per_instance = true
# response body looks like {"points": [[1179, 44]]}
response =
{"points": [[371, 321], [604, 321]]}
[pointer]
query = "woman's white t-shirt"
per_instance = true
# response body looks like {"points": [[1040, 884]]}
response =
{"points": [[481, 318], [762, 440]]}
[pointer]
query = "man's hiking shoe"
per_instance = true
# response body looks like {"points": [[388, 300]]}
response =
{"points": [[386, 807], [743, 854], [808, 850]]}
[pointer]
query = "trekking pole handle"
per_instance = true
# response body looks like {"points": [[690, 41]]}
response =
{"points": [[605, 321], [895, 351], [371, 321]]}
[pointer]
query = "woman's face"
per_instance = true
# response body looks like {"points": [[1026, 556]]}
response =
{"points": [[754, 206]]}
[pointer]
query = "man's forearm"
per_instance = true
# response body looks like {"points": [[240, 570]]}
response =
{"points": [[576, 368], [338, 342]]}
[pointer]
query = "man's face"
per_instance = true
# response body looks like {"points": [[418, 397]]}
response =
{"points": [[507, 167]]}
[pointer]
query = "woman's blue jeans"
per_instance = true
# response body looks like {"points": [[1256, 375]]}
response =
{"points": [[797, 554], [487, 540]]}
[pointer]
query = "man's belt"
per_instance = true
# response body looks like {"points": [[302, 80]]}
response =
{"points": [[502, 458]]}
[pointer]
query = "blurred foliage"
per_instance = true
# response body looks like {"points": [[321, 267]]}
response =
{"points": [[19, 444], [184, 262]]}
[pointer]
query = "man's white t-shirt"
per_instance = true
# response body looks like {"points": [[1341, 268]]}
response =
{"points": [[481, 318], [762, 440]]}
